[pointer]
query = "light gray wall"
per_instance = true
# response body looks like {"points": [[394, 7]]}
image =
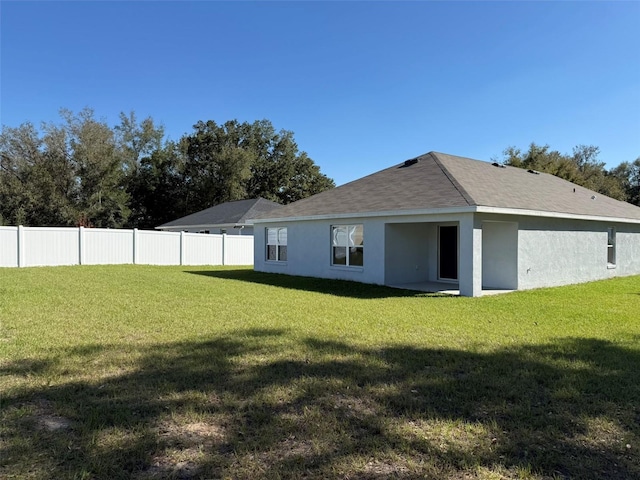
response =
{"points": [[407, 248], [500, 255], [560, 252], [309, 250], [627, 250], [546, 251], [470, 264]]}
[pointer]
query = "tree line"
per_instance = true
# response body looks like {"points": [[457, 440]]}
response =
{"points": [[582, 167], [80, 171]]}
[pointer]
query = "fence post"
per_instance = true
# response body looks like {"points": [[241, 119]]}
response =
{"points": [[21, 246], [181, 247], [135, 245], [224, 248], [81, 246]]}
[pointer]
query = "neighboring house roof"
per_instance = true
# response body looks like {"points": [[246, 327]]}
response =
{"points": [[224, 214], [437, 181]]}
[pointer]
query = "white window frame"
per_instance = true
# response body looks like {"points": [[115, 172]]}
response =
{"points": [[611, 247], [278, 244], [349, 244]]}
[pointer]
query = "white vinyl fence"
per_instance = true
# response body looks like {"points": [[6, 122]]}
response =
{"points": [[51, 246]]}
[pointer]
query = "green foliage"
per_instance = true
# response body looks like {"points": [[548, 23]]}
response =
{"points": [[582, 167], [84, 172], [628, 174], [157, 188], [101, 196], [36, 177], [247, 160]]}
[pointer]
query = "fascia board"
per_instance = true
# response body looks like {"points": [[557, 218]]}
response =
{"points": [[205, 225], [390, 213], [451, 210]]}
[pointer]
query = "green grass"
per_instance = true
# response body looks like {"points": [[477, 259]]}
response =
{"points": [[122, 372]]}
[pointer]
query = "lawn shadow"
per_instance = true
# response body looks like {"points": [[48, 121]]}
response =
{"points": [[341, 288], [244, 406]]}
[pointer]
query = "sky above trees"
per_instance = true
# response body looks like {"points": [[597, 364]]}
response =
{"points": [[362, 85]]}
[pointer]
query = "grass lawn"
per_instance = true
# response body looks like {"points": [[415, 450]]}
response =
{"points": [[134, 372]]}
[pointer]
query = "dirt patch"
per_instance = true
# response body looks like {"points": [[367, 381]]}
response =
{"points": [[53, 423], [195, 433]]}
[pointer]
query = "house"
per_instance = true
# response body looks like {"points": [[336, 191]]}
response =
{"points": [[444, 223], [230, 218]]}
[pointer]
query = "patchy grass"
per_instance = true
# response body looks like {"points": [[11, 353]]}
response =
{"points": [[122, 372]]}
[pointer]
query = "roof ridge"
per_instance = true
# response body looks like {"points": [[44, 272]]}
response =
{"points": [[465, 195]]}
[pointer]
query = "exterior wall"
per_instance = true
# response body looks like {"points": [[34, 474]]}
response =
{"points": [[500, 255], [495, 251], [407, 248], [627, 250], [309, 250], [555, 252], [393, 247], [470, 264]]}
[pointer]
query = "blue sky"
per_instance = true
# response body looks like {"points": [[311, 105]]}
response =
{"points": [[363, 85]]}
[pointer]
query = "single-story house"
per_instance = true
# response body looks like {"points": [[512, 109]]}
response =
{"points": [[440, 222], [231, 218]]}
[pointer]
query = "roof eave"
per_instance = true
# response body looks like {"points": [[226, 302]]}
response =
{"points": [[563, 215], [204, 225], [450, 210], [389, 213]]}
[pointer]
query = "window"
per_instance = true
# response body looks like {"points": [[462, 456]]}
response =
{"points": [[277, 244], [611, 246], [347, 245]]}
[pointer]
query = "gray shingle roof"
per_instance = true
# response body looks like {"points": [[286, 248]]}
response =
{"points": [[236, 213], [439, 181]]}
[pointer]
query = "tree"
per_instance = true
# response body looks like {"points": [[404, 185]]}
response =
{"points": [[582, 167], [137, 140], [241, 160], [84, 172], [102, 198], [36, 177], [157, 190], [628, 174]]}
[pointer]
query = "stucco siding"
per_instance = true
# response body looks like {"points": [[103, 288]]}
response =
{"points": [[554, 252], [407, 252], [496, 251], [500, 255], [627, 250], [309, 250]]}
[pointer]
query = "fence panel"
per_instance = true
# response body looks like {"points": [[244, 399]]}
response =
{"points": [[103, 246], [157, 248], [46, 246], [8, 246], [238, 250], [201, 249], [50, 246]]}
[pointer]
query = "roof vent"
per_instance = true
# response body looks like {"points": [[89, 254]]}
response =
{"points": [[533, 171], [408, 163], [499, 165]]}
